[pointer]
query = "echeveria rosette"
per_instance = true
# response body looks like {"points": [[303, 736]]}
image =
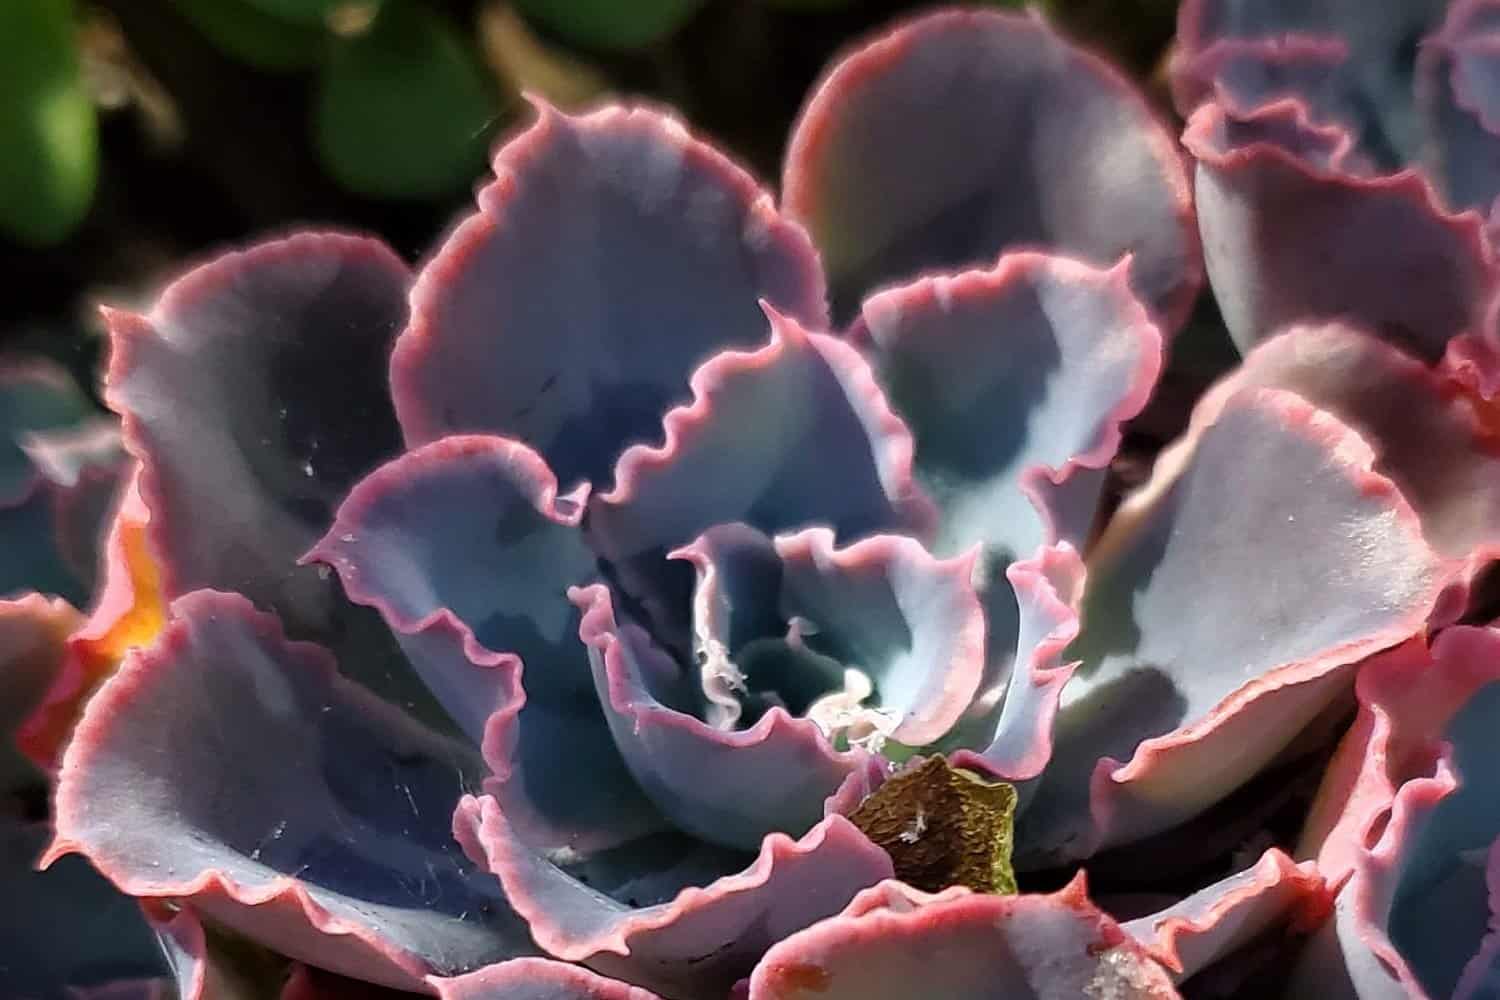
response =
{"points": [[684, 572], [1407, 820]]}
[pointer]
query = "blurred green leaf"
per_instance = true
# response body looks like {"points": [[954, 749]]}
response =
{"points": [[306, 11], [610, 24], [247, 33], [49, 142], [405, 109]]}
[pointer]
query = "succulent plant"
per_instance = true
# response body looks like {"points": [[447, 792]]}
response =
{"points": [[666, 592]]}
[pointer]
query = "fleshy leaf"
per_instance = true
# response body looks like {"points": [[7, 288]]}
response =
{"points": [[895, 942], [33, 638], [1291, 579], [1013, 380], [35, 395], [475, 527], [128, 611], [965, 133], [791, 435], [253, 393], [1458, 70], [60, 461], [787, 619], [1008, 731], [64, 927], [730, 787], [1243, 74], [612, 255], [1407, 814], [280, 799], [1290, 240], [1382, 42], [536, 979], [1436, 445], [1215, 921], [943, 827], [677, 939]]}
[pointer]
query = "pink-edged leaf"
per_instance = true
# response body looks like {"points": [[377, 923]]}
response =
{"points": [[1226, 606], [1244, 73], [674, 937], [254, 395], [35, 395], [794, 434], [1408, 815], [1014, 381], [1458, 97], [65, 927], [1290, 236], [728, 787], [33, 645], [782, 621], [894, 942], [279, 799], [1007, 732], [612, 255], [60, 464], [1436, 446], [1215, 921], [961, 134], [474, 527], [1382, 42], [128, 610], [536, 979]]}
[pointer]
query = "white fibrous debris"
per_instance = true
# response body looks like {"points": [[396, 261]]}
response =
{"points": [[1121, 975], [913, 833], [843, 713], [722, 681]]}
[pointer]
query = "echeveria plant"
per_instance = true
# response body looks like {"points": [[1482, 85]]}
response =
{"points": [[669, 593]]}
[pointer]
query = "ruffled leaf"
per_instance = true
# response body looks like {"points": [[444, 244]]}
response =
{"points": [[1289, 236], [1382, 44], [1436, 445], [1008, 730], [966, 133], [474, 528], [536, 979], [279, 799], [895, 942], [1213, 922], [1013, 380], [1291, 578], [1408, 814], [636, 913], [611, 256], [253, 393], [33, 645], [60, 462], [128, 611], [1458, 95]]}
